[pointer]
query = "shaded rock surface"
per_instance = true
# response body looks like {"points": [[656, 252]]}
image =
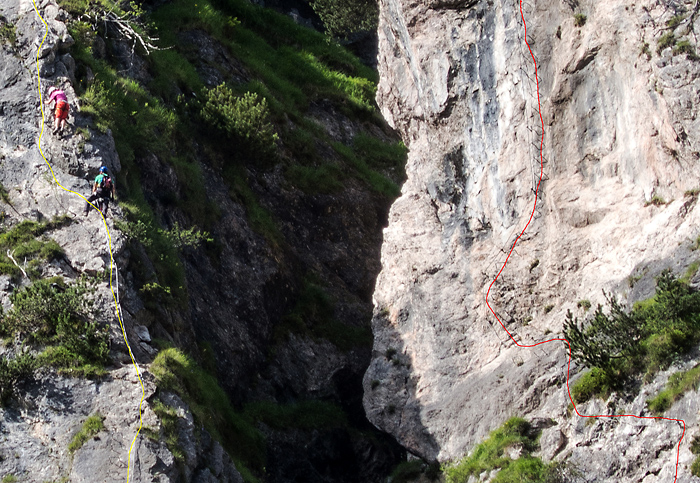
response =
{"points": [[458, 83], [236, 298]]}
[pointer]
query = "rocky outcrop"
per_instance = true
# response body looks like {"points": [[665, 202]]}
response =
{"points": [[459, 84]]}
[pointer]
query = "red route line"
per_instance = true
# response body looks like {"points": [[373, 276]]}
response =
{"points": [[532, 214]]}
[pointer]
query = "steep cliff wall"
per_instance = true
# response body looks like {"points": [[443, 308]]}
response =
{"points": [[277, 305], [458, 83]]}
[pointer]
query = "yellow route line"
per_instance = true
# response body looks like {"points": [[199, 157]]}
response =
{"points": [[109, 244]]}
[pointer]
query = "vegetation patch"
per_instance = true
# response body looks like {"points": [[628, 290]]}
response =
{"points": [[92, 425], [168, 420], [579, 20], [518, 435], [408, 471], [27, 242], [60, 318], [678, 384], [210, 407], [685, 47], [656, 200], [621, 345], [675, 21], [584, 304], [344, 17], [8, 32], [593, 383], [666, 40], [12, 371], [245, 120]]}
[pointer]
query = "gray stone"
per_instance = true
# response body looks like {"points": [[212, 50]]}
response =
{"points": [[142, 333]]}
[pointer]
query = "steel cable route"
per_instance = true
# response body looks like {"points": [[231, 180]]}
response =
{"points": [[112, 264], [539, 182]]}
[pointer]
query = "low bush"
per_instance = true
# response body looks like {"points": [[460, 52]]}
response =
{"points": [[244, 119], [579, 20], [313, 316], [675, 21], [344, 17], [685, 47], [61, 318], [12, 371], [26, 241], [8, 32], [407, 471], [653, 335], [594, 382]]}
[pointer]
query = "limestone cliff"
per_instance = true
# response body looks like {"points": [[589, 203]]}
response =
{"points": [[620, 156]]}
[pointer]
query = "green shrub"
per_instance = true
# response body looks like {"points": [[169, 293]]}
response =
{"points": [[23, 244], [655, 200], [8, 32], [92, 425], [593, 383], [376, 181], [168, 420], [325, 178], [61, 316], [666, 40], [695, 467], [579, 20], [490, 454], [12, 371], [246, 120], [646, 50], [9, 479], [378, 153], [515, 433], [650, 338], [344, 17]]}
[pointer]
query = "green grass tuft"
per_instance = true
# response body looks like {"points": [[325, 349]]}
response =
{"points": [[210, 406], [678, 384], [593, 383], [92, 425], [666, 40]]}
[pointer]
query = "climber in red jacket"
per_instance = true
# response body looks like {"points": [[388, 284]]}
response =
{"points": [[61, 108]]}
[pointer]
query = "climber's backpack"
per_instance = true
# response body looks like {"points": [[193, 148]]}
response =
{"points": [[106, 183]]}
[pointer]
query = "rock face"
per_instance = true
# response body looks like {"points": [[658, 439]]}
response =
{"points": [[620, 152], [237, 298]]}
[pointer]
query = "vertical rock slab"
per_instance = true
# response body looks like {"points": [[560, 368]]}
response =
{"points": [[459, 84]]}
